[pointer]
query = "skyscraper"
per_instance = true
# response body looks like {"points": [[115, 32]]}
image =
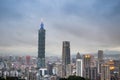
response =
{"points": [[100, 60], [105, 72], [100, 55], [78, 56], [93, 73], [41, 47], [65, 56], [86, 65], [87, 60], [79, 67]]}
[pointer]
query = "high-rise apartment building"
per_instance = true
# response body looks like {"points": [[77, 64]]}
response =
{"points": [[87, 60], [79, 67], [41, 47], [105, 72], [93, 73], [65, 56], [86, 65]]}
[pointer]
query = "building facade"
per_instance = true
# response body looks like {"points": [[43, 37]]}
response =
{"points": [[93, 73], [41, 47], [105, 72], [65, 56], [100, 60], [100, 55], [79, 67], [78, 56], [86, 65], [68, 70]]}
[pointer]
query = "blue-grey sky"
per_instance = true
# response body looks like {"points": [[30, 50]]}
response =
{"points": [[88, 24]]}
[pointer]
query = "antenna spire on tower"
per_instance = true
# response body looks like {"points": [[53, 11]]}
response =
{"points": [[41, 25]]}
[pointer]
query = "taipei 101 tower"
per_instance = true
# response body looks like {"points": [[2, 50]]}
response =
{"points": [[41, 47]]}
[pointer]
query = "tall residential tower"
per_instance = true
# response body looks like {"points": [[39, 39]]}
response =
{"points": [[79, 65], [41, 47]]}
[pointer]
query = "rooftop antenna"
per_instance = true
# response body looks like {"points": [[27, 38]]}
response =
{"points": [[42, 25]]}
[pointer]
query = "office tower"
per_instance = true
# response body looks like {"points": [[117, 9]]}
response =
{"points": [[79, 67], [100, 60], [86, 65], [100, 55], [65, 56], [105, 72], [78, 56], [41, 47]]}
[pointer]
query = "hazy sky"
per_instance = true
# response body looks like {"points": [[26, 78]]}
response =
{"points": [[88, 24]]}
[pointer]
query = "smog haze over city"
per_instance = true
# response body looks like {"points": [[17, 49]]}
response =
{"points": [[89, 25]]}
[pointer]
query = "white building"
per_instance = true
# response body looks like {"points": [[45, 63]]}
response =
{"points": [[79, 67], [43, 71]]}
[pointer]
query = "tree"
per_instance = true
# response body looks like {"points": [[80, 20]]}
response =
{"points": [[74, 78], [62, 79]]}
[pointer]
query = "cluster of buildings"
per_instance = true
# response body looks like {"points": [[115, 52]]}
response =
{"points": [[52, 68], [87, 65], [17, 66]]}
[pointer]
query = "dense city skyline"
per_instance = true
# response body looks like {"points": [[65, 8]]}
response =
{"points": [[89, 25]]}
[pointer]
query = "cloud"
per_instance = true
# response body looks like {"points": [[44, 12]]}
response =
{"points": [[88, 24]]}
